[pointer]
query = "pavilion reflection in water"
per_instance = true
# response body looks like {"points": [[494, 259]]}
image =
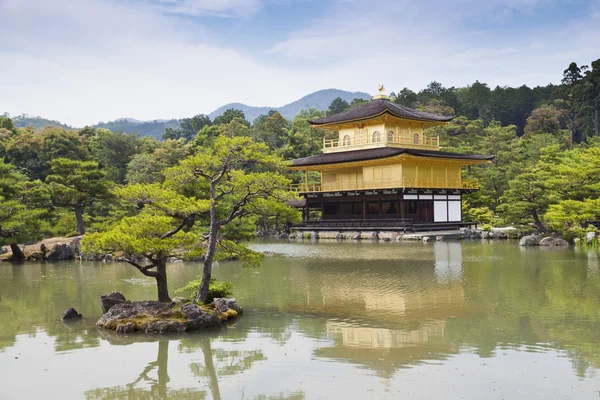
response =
{"points": [[398, 315]]}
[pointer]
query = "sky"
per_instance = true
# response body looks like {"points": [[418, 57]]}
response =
{"points": [[85, 61]]}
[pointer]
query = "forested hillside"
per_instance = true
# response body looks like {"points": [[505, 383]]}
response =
{"points": [[545, 175], [319, 100], [143, 128], [21, 121]]}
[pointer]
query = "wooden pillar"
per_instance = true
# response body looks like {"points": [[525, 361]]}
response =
{"points": [[364, 207], [306, 211], [402, 212], [401, 207], [322, 180], [446, 175], [306, 179], [416, 174]]}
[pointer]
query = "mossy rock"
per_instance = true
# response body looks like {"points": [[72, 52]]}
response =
{"points": [[155, 317]]}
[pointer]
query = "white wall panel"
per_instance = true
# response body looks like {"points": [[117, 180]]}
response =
{"points": [[454, 211], [440, 211]]}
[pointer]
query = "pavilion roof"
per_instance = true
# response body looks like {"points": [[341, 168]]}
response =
{"points": [[379, 153], [379, 107]]}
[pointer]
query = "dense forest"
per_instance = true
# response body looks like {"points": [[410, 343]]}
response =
{"points": [[229, 175]]}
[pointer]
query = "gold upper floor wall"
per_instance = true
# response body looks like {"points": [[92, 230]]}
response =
{"points": [[409, 173], [384, 131]]}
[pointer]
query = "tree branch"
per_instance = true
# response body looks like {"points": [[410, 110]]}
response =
{"points": [[183, 223], [236, 209], [223, 193], [223, 171], [199, 172], [144, 270]]}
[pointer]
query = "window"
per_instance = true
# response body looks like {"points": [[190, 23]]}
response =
{"points": [[391, 136], [346, 141], [350, 208], [330, 209], [376, 137], [416, 138], [410, 207], [390, 207], [373, 207]]}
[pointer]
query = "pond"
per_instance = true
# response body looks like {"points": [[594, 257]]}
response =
{"points": [[351, 320]]}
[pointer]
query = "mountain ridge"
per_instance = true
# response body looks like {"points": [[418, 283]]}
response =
{"points": [[320, 100]]}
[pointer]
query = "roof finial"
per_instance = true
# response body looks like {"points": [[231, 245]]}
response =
{"points": [[381, 89]]}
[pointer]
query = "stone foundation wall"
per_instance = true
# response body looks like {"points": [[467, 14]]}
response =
{"points": [[390, 236]]}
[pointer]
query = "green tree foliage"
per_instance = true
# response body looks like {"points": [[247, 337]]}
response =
{"points": [[304, 140], [229, 115], [189, 128], [77, 185], [144, 168], [357, 102], [405, 97], [527, 198], [241, 178], [337, 106], [31, 152], [6, 123], [546, 119], [271, 129], [236, 127], [206, 136], [573, 215], [148, 167], [23, 209], [162, 230], [113, 151]]}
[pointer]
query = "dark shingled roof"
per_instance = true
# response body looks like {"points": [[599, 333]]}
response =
{"points": [[377, 107], [381, 152], [296, 203]]}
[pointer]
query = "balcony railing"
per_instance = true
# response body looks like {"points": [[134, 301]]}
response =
{"points": [[385, 184], [408, 141]]}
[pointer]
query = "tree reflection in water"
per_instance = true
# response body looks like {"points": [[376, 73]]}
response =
{"points": [[153, 381], [155, 388]]}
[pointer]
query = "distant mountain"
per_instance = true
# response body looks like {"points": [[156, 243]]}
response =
{"points": [[24, 120], [154, 128], [319, 100]]}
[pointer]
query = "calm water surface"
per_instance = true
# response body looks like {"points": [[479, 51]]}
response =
{"points": [[465, 320]]}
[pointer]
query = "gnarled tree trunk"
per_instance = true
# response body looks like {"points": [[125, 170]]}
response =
{"points": [[79, 218], [202, 295], [17, 253], [538, 222], [161, 281]]}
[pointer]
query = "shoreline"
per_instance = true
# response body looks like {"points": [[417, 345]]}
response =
{"points": [[389, 236]]}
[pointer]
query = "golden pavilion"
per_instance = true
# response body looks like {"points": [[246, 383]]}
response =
{"points": [[382, 171]]}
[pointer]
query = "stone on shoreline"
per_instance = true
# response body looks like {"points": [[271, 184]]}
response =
{"points": [[554, 242], [156, 317], [110, 300], [51, 249], [70, 315], [530, 240]]}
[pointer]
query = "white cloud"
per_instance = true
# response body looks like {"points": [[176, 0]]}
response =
{"points": [[402, 43], [82, 61], [87, 61], [223, 8]]}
